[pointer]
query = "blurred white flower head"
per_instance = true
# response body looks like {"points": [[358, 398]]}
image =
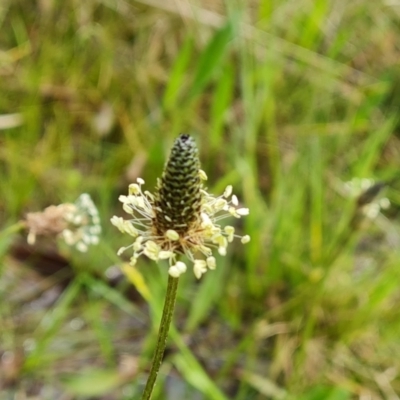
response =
{"points": [[367, 190], [78, 224]]}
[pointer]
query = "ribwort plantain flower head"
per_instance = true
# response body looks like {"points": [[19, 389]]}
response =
{"points": [[181, 217], [78, 224], [368, 195]]}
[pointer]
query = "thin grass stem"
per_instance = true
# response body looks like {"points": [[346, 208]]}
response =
{"points": [[166, 319]]}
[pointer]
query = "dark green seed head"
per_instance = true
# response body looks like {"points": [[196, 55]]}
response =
{"points": [[178, 197]]}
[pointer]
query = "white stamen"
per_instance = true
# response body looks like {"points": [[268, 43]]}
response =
{"points": [[181, 266], [163, 255], [203, 175], [121, 250], [211, 262], [174, 272], [245, 239], [243, 211], [199, 268], [172, 235], [228, 191], [222, 251]]}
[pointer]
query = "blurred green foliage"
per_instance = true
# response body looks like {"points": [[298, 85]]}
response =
{"points": [[287, 100]]}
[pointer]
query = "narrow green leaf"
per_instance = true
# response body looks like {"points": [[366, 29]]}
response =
{"points": [[373, 146], [327, 393], [193, 372], [112, 296], [208, 292], [51, 322], [91, 382], [177, 75], [220, 105], [211, 59]]}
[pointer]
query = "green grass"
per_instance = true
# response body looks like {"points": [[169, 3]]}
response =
{"points": [[286, 100]]}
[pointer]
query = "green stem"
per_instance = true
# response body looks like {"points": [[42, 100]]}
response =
{"points": [[12, 229], [166, 319]]}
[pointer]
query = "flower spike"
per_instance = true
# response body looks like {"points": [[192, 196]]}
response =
{"points": [[181, 217]]}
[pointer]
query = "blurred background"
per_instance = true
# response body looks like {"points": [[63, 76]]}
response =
{"points": [[294, 103]]}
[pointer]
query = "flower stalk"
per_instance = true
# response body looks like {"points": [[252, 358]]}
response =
{"points": [[179, 218], [165, 324]]}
